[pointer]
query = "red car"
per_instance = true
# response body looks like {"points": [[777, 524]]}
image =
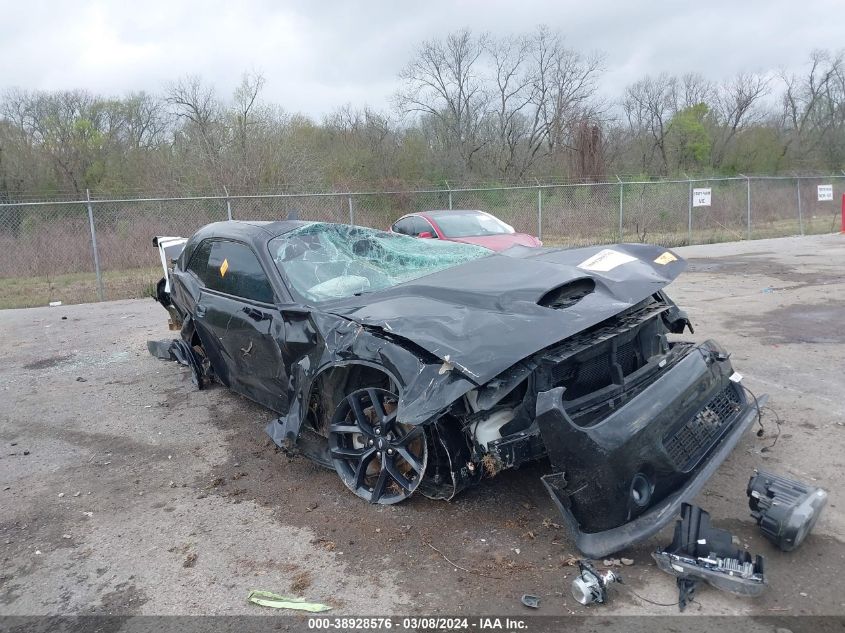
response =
{"points": [[463, 225]]}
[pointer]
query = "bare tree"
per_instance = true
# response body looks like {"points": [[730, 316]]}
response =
{"points": [[813, 109], [444, 82], [735, 107], [543, 93], [245, 104], [198, 107], [367, 145], [693, 89], [246, 133], [649, 105], [565, 85], [515, 126], [147, 126]]}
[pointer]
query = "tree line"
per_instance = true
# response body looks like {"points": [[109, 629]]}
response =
{"points": [[468, 107]]}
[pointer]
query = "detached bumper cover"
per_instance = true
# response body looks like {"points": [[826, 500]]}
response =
{"points": [[623, 479]]}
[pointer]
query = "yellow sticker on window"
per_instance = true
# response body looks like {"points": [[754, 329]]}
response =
{"points": [[666, 258], [224, 267]]}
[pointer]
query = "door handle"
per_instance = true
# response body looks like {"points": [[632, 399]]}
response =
{"points": [[201, 310], [255, 314]]}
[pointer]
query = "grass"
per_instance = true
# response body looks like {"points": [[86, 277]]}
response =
{"points": [[778, 228], [28, 292]]}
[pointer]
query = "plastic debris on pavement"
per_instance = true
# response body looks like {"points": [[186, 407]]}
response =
{"points": [[276, 601], [531, 601]]}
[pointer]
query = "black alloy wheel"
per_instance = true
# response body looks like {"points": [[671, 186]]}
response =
{"points": [[379, 459]]}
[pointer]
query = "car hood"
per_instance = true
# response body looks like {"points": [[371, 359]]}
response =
{"points": [[497, 242], [483, 316]]}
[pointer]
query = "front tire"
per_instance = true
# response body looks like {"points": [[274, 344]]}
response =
{"points": [[379, 459]]}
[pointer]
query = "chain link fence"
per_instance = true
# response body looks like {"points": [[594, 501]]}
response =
{"points": [[98, 249]]}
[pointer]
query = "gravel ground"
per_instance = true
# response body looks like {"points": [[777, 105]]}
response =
{"points": [[126, 491]]}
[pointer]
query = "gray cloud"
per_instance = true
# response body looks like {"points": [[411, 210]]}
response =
{"points": [[319, 55]]}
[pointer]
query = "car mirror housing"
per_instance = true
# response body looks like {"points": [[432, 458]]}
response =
{"points": [[426, 235]]}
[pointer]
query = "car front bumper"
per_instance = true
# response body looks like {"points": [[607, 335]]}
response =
{"points": [[621, 480]]}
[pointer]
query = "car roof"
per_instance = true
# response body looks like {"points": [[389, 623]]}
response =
{"points": [[249, 229], [253, 232], [437, 212]]}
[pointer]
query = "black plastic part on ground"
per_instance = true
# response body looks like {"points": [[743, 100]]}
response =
{"points": [[785, 509]]}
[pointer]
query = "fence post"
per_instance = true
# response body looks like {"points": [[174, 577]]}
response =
{"points": [[94, 245], [351, 210], [689, 214], [748, 202], [228, 204], [800, 215], [621, 191], [539, 213], [450, 194]]}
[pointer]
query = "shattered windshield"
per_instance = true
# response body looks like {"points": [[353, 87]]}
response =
{"points": [[472, 225], [331, 261]]}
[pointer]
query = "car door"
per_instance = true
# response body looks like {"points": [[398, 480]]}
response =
{"points": [[238, 323]]}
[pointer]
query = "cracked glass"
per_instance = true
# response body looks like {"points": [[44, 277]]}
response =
{"points": [[330, 261]]}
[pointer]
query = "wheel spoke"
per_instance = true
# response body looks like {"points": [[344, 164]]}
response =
{"points": [[378, 489], [344, 428], [412, 460], [343, 452], [380, 414], [410, 436], [361, 468], [397, 476], [390, 421], [360, 416]]}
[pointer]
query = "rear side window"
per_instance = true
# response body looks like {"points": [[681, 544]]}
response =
{"points": [[199, 259], [231, 268], [405, 226], [421, 225]]}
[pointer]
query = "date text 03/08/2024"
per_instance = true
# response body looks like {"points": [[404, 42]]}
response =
{"points": [[481, 623]]}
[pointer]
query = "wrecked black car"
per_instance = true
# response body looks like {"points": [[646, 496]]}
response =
{"points": [[421, 365]]}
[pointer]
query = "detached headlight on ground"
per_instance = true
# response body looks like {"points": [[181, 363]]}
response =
{"points": [[591, 585], [786, 510]]}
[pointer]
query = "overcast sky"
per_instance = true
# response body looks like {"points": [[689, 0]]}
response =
{"points": [[319, 55]]}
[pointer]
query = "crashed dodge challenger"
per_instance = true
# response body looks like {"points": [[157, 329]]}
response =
{"points": [[426, 365]]}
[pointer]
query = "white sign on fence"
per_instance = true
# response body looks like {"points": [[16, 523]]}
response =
{"points": [[825, 192], [701, 197]]}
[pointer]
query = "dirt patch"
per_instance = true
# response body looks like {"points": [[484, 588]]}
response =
{"points": [[758, 265], [795, 324], [503, 538], [47, 363], [301, 582], [125, 599]]}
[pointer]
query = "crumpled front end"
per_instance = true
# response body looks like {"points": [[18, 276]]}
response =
{"points": [[496, 362], [620, 479]]}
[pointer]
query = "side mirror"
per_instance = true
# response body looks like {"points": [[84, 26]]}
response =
{"points": [[426, 235]]}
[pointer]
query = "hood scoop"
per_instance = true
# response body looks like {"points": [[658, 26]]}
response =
{"points": [[568, 294]]}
